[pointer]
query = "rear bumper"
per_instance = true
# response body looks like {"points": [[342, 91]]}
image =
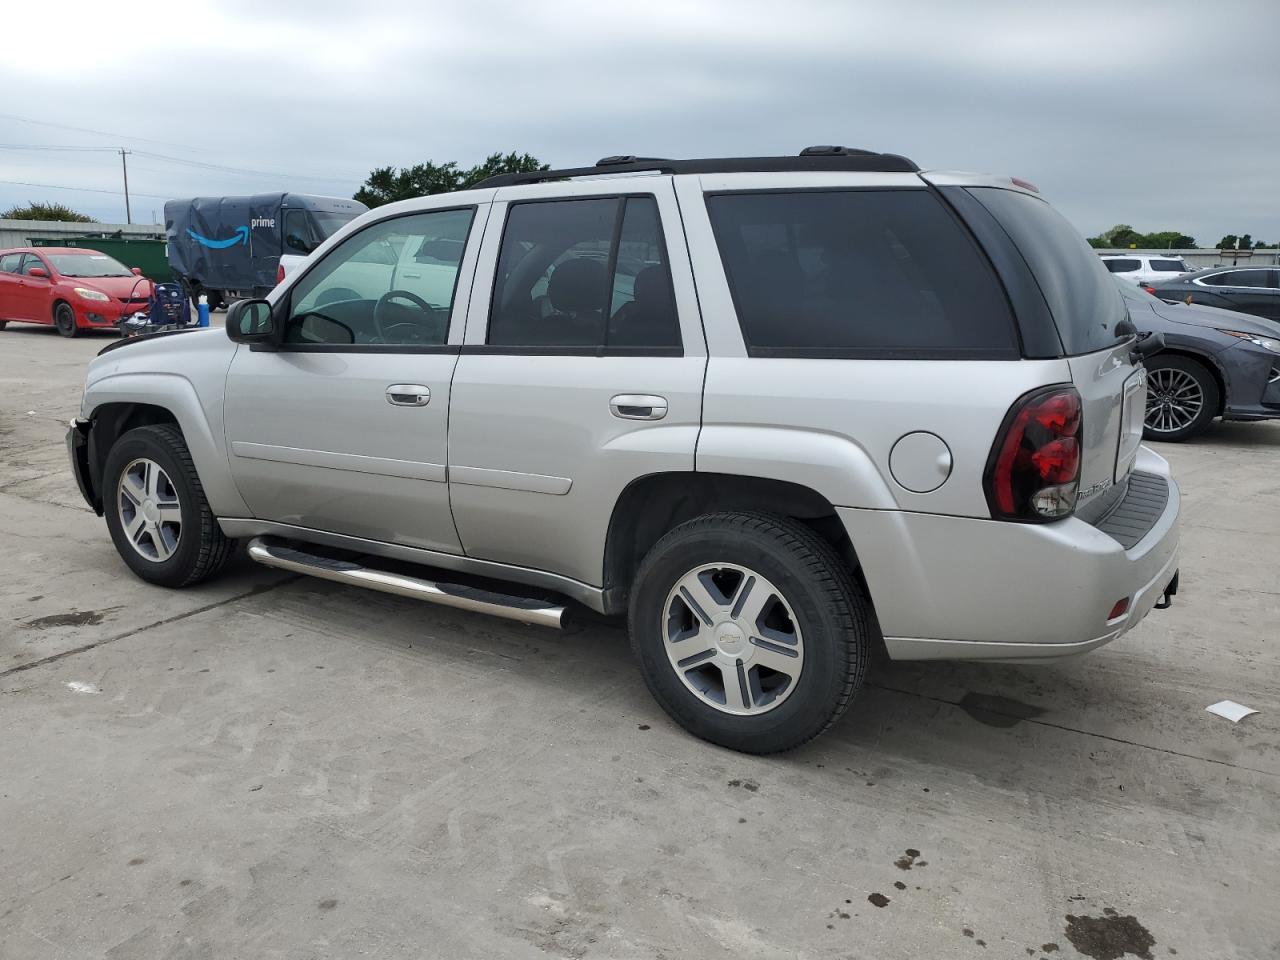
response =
{"points": [[961, 588]]}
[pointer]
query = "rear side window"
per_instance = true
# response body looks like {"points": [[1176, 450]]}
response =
{"points": [[1122, 266], [1083, 300], [1168, 266], [1239, 278], [587, 274], [886, 273], [9, 262]]}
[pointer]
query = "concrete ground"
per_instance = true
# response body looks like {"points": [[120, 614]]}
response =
{"points": [[279, 767]]}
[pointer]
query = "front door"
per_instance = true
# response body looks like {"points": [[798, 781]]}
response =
{"points": [[582, 374], [343, 426], [35, 294]]}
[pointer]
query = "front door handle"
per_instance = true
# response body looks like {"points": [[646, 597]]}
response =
{"points": [[638, 406], [408, 395]]}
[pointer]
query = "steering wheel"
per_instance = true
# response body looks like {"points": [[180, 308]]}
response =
{"points": [[384, 324]]}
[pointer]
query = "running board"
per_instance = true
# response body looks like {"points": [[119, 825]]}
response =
{"points": [[273, 553]]}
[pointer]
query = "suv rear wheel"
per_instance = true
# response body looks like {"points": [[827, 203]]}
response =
{"points": [[156, 510], [749, 630]]}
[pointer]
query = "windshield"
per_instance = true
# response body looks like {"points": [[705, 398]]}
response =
{"points": [[87, 265], [1076, 286], [330, 223]]}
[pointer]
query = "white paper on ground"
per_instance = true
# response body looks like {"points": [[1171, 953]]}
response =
{"points": [[1235, 712]]}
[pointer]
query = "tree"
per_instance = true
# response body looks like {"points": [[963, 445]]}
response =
{"points": [[45, 211], [1123, 236], [387, 184]]}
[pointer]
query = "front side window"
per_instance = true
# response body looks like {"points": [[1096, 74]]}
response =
{"points": [[588, 273], [392, 283], [1168, 266], [1122, 266], [297, 232], [870, 272], [33, 263]]}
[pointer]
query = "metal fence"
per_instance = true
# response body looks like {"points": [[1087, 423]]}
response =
{"points": [[16, 233], [1197, 259]]}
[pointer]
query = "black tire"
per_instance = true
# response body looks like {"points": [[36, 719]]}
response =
{"points": [[1165, 367], [202, 547], [64, 318], [3, 324], [831, 611]]}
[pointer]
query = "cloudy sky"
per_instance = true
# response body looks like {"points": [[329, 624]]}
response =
{"points": [[1163, 115]]}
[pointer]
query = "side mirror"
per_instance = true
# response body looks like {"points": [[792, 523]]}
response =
{"points": [[295, 242], [38, 272], [137, 271], [250, 321]]}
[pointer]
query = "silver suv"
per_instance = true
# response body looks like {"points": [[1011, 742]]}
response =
{"points": [[776, 410]]}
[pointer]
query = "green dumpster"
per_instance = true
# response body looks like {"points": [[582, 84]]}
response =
{"points": [[148, 255]]}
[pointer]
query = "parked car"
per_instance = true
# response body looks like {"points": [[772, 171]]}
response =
{"points": [[72, 289], [839, 392], [1254, 290], [225, 248], [1141, 267], [1215, 363]]}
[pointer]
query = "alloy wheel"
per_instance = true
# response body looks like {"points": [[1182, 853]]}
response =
{"points": [[1174, 400], [150, 512], [733, 639]]}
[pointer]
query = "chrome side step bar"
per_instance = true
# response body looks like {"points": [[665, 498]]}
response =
{"points": [[273, 553]]}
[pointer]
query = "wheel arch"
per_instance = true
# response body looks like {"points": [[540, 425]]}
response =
{"points": [[1206, 360], [652, 505], [117, 404]]}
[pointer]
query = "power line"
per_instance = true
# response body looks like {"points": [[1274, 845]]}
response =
{"points": [[183, 161], [53, 186], [100, 133]]}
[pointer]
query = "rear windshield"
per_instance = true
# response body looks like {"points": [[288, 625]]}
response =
{"points": [[1122, 266], [1168, 266], [858, 273], [1081, 296]]}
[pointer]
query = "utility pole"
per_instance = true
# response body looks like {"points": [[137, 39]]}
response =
{"points": [[128, 216]]}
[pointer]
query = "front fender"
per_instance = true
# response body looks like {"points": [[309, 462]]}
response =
{"points": [[201, 427]]}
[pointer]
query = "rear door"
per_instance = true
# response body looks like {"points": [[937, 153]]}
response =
{"points": [[1087, 310], [582, 370], [1252, 291]]}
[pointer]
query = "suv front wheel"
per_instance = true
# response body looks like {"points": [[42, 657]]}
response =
{"points": [[749, 630], [156, 510]]}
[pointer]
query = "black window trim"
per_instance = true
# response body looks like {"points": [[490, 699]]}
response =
{"points": [[285, 305], [1063, 353], [601, 350], [1015, 352]]}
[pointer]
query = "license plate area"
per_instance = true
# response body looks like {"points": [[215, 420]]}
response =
{"points": [[1133, 412]]}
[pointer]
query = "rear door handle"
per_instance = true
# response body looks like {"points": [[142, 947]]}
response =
{"points": [[638, 406], [408, 395]]}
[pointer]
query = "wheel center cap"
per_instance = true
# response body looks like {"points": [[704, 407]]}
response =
{"points": [[150, 510], [730, 638]]}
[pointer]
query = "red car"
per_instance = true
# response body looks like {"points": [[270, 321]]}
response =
{"points": [[71, 288]]}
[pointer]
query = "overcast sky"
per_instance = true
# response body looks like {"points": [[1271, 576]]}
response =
{"points": [[1162, 115]]}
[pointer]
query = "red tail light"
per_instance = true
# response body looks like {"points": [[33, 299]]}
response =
{"points": [[280, 274], [1033, 472]]}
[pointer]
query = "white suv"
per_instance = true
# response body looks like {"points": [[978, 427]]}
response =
{"points": [[768, 408], [1142, 268]]}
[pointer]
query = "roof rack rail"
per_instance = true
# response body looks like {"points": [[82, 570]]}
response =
{"points": [[819, 159]]}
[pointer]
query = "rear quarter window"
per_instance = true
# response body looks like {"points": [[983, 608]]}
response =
{"points": [[1084, 302], [888, 273]]}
